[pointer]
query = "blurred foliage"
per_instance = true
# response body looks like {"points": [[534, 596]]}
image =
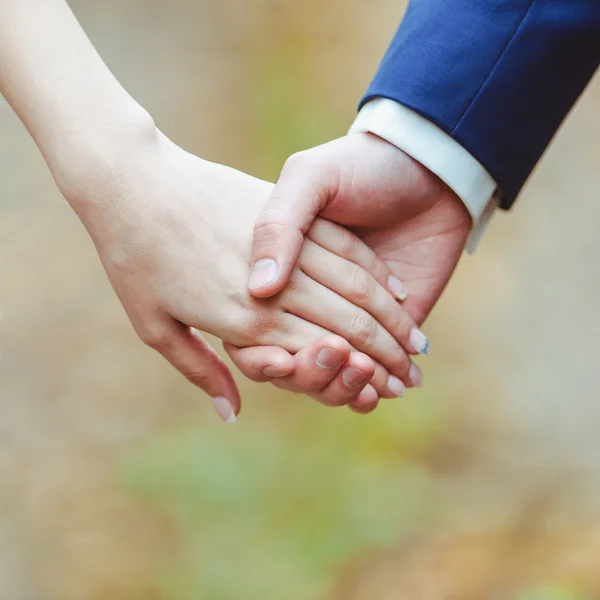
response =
{"points": [[287, 113], [553, 592], [273, 510]]}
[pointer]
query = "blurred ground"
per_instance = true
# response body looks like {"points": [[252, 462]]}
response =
{"points": [[483, 485]]}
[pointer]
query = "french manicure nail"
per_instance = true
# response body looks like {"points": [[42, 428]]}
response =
{"points": [[195, 333], [395, 386], [353, 377], [415, 375], [224, 409], [398, 288], [418, 341], [328, 358], [264, 272]]}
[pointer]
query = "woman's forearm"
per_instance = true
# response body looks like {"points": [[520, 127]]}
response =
{"points": [[59, 86]]}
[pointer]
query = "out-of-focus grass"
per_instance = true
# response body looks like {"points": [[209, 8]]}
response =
{"points": [[553, 592], [288, 114], [266, 511]]}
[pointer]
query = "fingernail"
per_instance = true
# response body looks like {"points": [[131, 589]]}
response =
{"points": [[353, 377], [398, 288], [418, 341], [328, 358], [264, 272], [271, 371], [396, 386], [415, 375], [224, 409]]}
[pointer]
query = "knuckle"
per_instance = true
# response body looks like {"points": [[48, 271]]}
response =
{"points": [[258, 326], [363, 287], [402, 364], [155, 337], [347, 242], [270, 224], [337, 400], [298, 161], [202, 379], [363, 329], [401, 325], [376, 267], [380, 377], [273, 228], [306, 386]]}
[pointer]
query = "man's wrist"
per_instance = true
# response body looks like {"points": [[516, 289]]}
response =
{"points": [[436, 150]]}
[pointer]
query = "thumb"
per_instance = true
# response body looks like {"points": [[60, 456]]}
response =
{"points": [[304, 189]]}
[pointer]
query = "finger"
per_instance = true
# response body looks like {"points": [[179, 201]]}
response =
{"points": [[415, 376], [387, 385], [315, 368], [346, 244], [350, 381], [297, 333], [318, 364], [191, 355], [305, 298], [308, 371], [380, 379], [366, 402], [261, 363], [301, 193], [360, 288]]}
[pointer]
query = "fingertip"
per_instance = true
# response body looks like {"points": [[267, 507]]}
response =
{"points": [[266, 291], [363, 363], [225, 409], [279, 366], [396, 387], [415, 376], [397, 288], [366, 402], [266, 278]]}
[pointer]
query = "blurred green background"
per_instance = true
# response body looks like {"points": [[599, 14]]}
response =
{"points": [[116, 478]]}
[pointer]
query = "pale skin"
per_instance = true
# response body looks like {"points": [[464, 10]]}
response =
{"points": [[404, 213], [174, 233]]}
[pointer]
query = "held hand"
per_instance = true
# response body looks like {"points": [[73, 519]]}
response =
{"points": [[327, 370], [174, 234], [408, 216]]}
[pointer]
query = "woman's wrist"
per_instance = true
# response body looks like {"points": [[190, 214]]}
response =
{"points": [[79, 115], [101, 146]]}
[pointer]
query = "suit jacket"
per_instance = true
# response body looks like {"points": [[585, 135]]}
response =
{"points": [[499, 76]]}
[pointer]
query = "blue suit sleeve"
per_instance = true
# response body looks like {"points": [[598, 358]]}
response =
{"points": [[499, 76]]}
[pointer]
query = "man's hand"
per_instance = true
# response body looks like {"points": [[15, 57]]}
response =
{"points": [[407, 215]]}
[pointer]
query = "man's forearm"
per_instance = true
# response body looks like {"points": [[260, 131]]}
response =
{"points": [[57, 83], [497, 76]]}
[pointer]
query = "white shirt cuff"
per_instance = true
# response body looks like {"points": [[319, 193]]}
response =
{"points": [[436, 150]]}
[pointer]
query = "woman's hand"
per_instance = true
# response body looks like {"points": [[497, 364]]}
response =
{"points": [[174, 234]]}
